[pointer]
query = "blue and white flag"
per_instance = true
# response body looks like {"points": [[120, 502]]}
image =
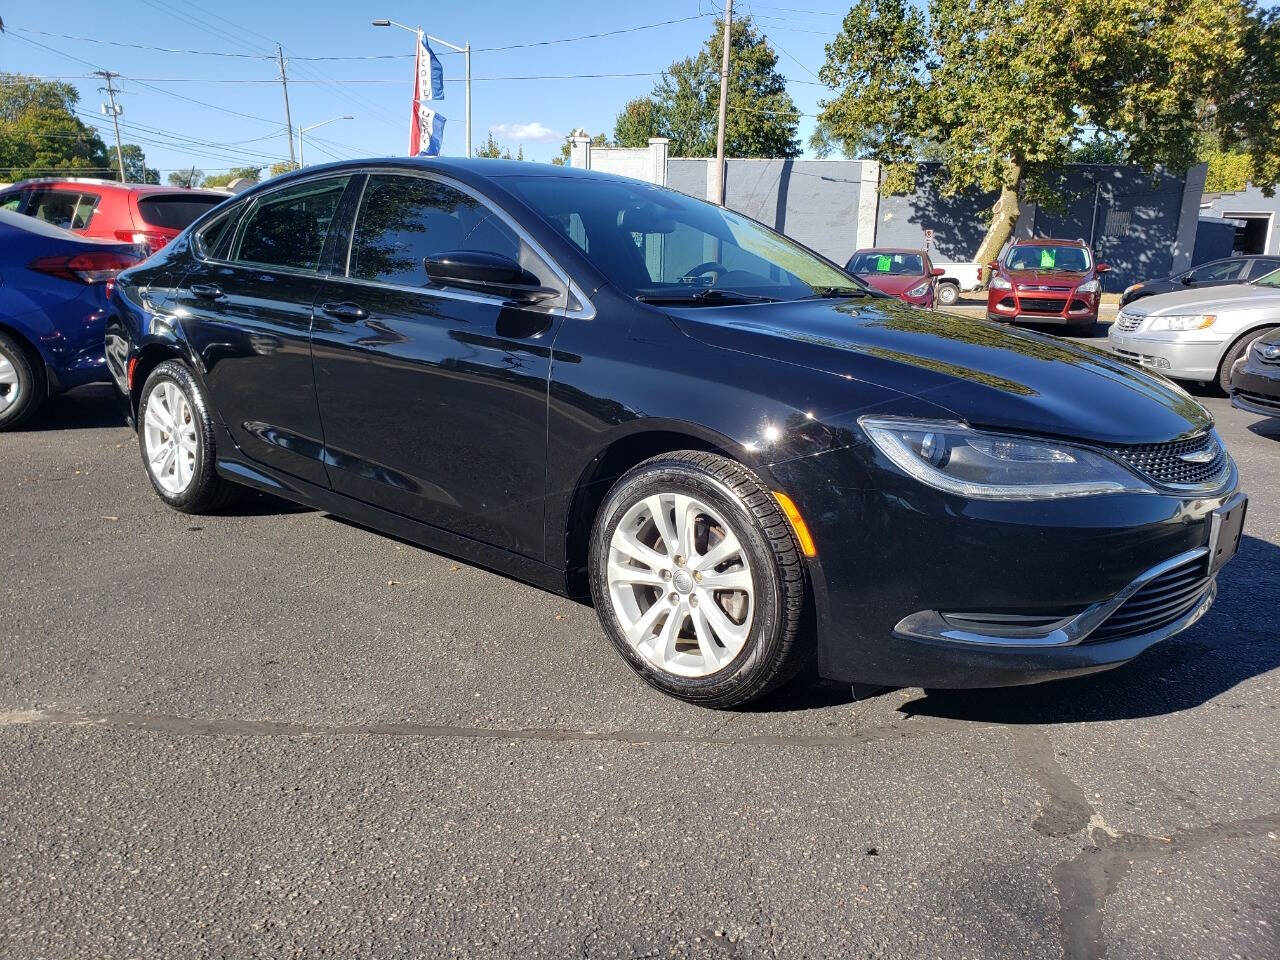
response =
{"points": [[426, 132], [431, 82], [432, 131]]}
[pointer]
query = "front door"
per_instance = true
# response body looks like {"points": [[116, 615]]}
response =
{"points": [[247, 314], [433, 400]]}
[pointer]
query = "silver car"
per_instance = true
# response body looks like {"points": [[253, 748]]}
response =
{"points": [[1197, 334]]}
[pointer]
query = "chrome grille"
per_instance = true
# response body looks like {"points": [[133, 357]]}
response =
{"points": [[1129, 322], [1166, 463], [1158, 603]]}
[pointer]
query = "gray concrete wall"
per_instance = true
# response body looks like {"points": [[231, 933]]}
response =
{"points": [[1249, 201]]}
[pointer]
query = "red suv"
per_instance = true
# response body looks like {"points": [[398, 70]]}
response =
{"points": [[147, 215], [898, 271], [1046, 281]]}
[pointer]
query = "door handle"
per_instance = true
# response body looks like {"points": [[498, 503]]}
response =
{"points": [[207, 291], [344, 311]]}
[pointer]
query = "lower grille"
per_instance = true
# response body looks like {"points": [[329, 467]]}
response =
{"points": [[1260, 400], [1158, 603], [1037, 305], [1168, 465]]}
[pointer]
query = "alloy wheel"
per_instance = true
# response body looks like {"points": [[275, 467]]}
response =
{"points": [[680, 584], [169, 432], [10, 385]]}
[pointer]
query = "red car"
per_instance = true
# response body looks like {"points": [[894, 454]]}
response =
{"points": [[149, 216], [898, 271], [1046, 281]]}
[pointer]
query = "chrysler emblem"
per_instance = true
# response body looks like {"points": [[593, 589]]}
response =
{"points": [[1271, 351], [1201, 456]]}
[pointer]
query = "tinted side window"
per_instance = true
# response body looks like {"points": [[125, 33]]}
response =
{"points": [[403, 220], [212, 239], [11, 201], [288, 228], [1228, 270], [68, 209], [1262, 266]]}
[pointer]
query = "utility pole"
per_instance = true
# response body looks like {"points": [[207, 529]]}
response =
{"points": [[724, 101], [288, 121], [115, 112], [468, 58]]}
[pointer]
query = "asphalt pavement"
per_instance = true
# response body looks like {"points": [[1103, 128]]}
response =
{"points": [[271, 733]]}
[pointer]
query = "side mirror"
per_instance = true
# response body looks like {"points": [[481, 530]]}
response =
{"points": [[993, 265], [485, 273], [1188, 280], [1101, 267], [937, 272]]}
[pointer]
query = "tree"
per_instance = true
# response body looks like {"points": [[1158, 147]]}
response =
{"points": [[1249, 117], [491, 149], [279, 167], [638, 122], [41, 135], [1003, 89], [235, 173], [135, 165], [566, 148], [762, 118], [187, 178]]}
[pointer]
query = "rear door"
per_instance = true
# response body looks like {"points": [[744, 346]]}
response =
{"points": [[246, 311], [434, 400]]}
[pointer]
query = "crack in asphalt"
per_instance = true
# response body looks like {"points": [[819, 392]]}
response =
{"points": [[1087, 880], [225, 727]]}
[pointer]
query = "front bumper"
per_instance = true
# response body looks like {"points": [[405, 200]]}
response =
{"points": [[1194, 358], [903, 549], [1025, 306], [1255, 387]]}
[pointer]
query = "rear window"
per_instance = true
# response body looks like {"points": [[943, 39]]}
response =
{"points": [[177, 211]]}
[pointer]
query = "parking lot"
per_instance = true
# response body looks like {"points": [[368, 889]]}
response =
{"points": [[271, 733]]}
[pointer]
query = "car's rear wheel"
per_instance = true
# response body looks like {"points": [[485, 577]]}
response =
{"points": [[1238, 350], [947, 294], [697, 579], [176, 437], [21, 383]]}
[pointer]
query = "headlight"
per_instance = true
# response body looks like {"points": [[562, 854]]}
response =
{"points": [[919, 290], [1089, 286], [1132, 287], [1000, 283], [1189, 321], [957, 459]]}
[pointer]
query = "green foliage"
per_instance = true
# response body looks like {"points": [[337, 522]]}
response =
{"points": [[1229, 170], [41, 135], [135, 165], [494, 151], [1003, 90], [762, 119], [187, 178], [566, 149], [1100, 149], [236, 173], [1249, 116], [277, 168], [637, 123]]}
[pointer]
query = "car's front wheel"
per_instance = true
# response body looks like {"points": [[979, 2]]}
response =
{"points": [[947, 294], [176, 437], [1237, 350], [21, 384], [697, 579]]}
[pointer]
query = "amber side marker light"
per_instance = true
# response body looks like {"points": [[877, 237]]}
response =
{"points": [[797, 523]]}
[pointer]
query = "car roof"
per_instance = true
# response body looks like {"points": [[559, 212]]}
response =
{"points": [[1044, 241], [139, 188], [889, 250]]}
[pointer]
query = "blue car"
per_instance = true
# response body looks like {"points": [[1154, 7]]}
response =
{"points": [[53, 302]]}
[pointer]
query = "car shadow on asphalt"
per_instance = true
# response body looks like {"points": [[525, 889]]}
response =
{"points": [[85, 408], [1268, 428], [1239, 639]]}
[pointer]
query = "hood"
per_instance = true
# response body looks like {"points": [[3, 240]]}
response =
{"points": [[894, 285], [1242, 296], [985, 373], [1059, 278]]}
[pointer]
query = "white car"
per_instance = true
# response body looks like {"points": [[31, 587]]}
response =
{"points": [[957, 277], [1197, 334]]}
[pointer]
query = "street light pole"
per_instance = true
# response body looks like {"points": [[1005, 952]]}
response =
{"points": [[465, 51], [301, 130]]}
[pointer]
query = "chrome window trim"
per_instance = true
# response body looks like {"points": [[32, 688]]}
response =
{"points": [[1068, 632]]}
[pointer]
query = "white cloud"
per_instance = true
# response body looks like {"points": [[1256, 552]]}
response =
{"points": [[526, 132]]}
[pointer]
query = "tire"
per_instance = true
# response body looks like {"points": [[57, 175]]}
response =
{"points": [[22, 384], [1236, 351], [192, 485], [715, 648], [947, 294]]}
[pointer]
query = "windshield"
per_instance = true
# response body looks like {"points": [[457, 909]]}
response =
{"points": [[1047, 257], [1272, 279], [657, 244], [887, 264]]}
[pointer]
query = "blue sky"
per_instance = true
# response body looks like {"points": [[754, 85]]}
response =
{"points": [[241, 122]]}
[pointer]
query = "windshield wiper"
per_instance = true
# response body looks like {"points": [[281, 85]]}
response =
{"points": [[823, 292], [706, 295]]}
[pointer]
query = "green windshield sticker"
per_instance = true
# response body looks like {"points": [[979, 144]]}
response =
{"points": [[884, 264], [1047, 258]]}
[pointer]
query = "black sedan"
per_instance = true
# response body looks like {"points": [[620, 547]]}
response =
{"points": [[1255, 379], [750, 461], [1215, 273]]}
